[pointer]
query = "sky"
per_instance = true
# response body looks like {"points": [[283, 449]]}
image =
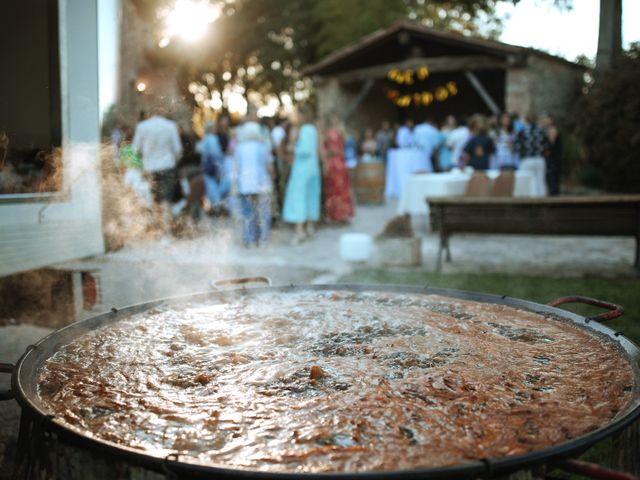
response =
{"points": [[532, 23], [538, 24]]}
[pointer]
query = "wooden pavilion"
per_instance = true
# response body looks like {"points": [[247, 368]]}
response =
{"points": [[413, 71]]}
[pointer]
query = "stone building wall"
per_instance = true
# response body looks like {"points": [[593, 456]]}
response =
{"points": [[554, 86], [332, 97], [134, 37], [163, 91], [375, 108], [544, 85], [518, 91], [336, 98]]}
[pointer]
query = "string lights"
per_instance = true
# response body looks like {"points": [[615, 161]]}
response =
{"points": [[424, 98], [407, 77]]}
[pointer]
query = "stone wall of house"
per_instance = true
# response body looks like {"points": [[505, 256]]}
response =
{"points": [[332, 97], [375, 108], [554, 86], [518, 90], [545, 85], [162, 92], [337, 98]]}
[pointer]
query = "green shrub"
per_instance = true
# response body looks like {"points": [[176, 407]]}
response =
{"points": [[591, 176], [573, 156], [608, 125]]}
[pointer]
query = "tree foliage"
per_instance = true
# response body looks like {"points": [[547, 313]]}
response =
{"points": [[263, 45], [609, 124], [341, 22]]}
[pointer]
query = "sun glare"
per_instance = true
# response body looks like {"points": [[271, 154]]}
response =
{"points": [[188, 20]]}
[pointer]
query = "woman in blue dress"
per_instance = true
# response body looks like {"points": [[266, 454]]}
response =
{"points": [[302, 196]]}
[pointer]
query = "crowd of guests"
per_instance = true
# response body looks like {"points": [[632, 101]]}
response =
{"points": [[297, 170], [293, 170], [507, 141]]}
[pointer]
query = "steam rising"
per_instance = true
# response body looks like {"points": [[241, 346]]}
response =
{"points": [[149, 255]]}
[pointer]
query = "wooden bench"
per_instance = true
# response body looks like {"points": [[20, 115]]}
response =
{"points": [[615, 215]]}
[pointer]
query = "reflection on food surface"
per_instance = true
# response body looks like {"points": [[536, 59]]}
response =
{"points": [[337, 381]]}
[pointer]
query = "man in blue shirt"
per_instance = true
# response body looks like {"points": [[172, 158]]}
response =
{"points": [[480, 147]]}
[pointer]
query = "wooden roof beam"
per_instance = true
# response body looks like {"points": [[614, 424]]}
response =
{"points": [[486, 96], [434, 64]]}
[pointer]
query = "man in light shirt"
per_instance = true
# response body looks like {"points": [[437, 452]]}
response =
{"points": [[456, 141], [404, 135], [157, 140], [252, 168], [425, 137]]}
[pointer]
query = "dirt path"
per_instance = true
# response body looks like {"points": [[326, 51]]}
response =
{"points": [[158, 269]]}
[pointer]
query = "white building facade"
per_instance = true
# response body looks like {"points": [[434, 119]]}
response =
{"points": [[38, 229]]}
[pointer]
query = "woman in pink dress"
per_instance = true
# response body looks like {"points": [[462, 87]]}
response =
{"points": [[338, 200]]}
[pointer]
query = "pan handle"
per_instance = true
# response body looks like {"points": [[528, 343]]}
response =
{"points": [[216, 284], [6, 368], [614, 312], [592, 470]]}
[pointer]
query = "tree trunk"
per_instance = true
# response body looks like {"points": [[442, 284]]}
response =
{"points": [[610, 33]]}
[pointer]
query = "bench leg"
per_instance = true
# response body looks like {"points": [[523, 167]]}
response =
{"points": [[443, 249], [440, 252], [446, 246]]}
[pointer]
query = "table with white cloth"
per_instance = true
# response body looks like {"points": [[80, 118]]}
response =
{"points": [[418, 187], [402, 163]]}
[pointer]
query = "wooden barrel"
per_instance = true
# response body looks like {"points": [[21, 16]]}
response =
{"points": [[369, 183]]}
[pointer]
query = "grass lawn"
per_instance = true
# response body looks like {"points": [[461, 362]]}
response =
{"points": [[623, 291]]}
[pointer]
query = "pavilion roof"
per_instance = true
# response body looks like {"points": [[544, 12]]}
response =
{"points": [[382, 47]]}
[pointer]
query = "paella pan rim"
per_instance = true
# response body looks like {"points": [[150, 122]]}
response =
{"points": [[24, 386]]}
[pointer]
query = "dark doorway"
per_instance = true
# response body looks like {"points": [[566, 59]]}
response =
{"points": [[30, 105]]}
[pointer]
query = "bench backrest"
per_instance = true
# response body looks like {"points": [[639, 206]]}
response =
{"points": [[537, 216]]}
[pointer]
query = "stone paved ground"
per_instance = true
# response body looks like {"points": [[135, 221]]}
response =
{"points": [[158, 269], [161, 268]]}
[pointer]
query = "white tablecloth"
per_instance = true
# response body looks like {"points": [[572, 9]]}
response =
{"points": [[401, 164], [418, 187]]}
